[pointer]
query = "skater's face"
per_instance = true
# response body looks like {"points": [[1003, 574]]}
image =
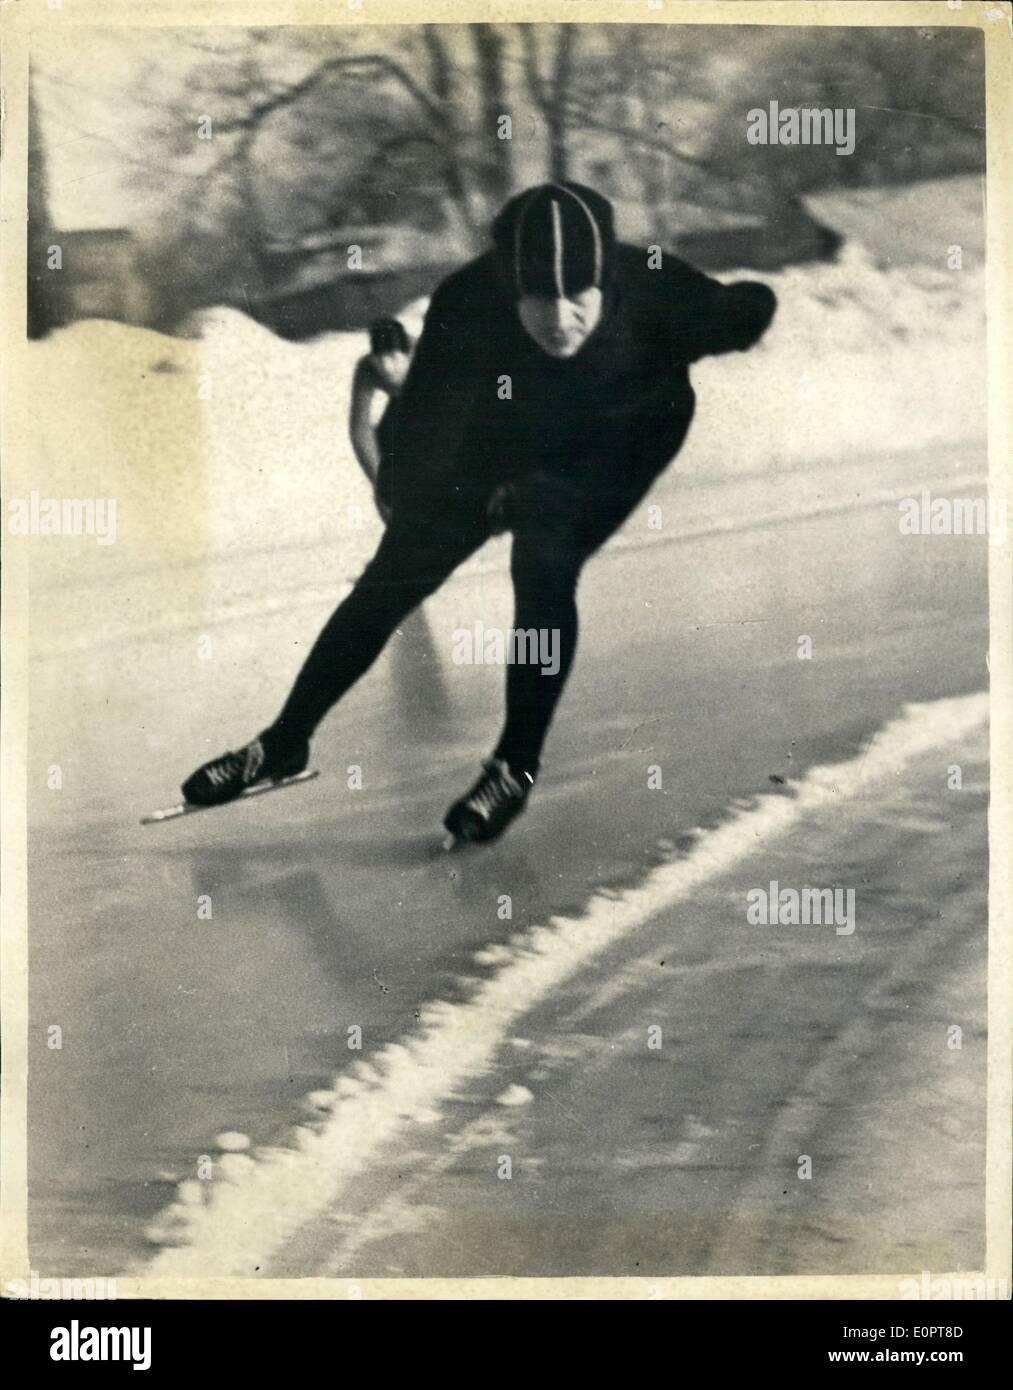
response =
{"points": [[561, 327]]}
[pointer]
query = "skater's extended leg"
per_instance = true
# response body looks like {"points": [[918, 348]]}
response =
{"points": [[409, 565], [411, 562]]}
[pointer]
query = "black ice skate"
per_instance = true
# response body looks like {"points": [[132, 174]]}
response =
{"points": [[493, 802], [223, 779]]}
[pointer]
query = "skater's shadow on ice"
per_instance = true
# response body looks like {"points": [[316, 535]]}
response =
{"points": [[261, 900], [420, 691], [394, 853], [261, 871]]}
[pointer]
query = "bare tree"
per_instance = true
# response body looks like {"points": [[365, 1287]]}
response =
{"points": [[493, 161], [317, 132], [551, 91]]}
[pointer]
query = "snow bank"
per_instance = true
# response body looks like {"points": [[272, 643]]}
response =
{"points": [[860, 359]]}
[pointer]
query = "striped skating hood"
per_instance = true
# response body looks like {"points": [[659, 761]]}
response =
{"points": [[556, 240]]}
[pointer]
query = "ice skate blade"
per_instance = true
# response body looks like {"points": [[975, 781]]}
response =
{"points": [[454, 844], [185, 809], [457, 844]]}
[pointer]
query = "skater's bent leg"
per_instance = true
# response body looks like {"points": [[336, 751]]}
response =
{"points": [[408, 566], [545, 568]]}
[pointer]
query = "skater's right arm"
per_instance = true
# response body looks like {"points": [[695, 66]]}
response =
{"points": [[707, 317]]}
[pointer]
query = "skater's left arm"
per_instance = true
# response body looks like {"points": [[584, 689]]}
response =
{"points": [[707, 317], [360, 424], [362, 431]]}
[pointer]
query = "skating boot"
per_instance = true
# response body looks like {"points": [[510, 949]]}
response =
{"points": [[493, 802], [223, 779]]}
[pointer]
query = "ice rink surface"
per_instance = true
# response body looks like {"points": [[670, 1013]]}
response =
{"points": [[334, 909]]}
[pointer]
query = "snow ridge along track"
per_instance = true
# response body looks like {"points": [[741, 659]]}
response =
{"points": [[262, 1200]]}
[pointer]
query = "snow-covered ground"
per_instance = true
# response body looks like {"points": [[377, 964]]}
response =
{"points": [[332, 909]]}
